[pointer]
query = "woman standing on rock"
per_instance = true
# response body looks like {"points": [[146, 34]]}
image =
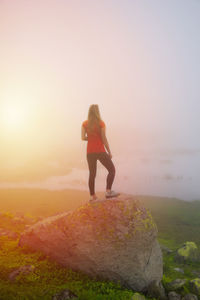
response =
{"points": [[95, 128]]}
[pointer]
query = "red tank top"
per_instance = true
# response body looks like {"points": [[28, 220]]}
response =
{"points": [[95, 143]]}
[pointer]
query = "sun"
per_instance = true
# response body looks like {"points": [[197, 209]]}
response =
{"points": [[13, 116]]}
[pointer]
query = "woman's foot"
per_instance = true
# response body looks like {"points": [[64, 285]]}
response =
{"points": [[111, 194], [93, 198]]}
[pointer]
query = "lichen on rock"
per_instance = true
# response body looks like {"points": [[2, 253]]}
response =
{"points": [[188, 252], [195, 286]]}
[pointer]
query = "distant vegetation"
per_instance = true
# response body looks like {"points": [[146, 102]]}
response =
{"points": [[177, 220]]}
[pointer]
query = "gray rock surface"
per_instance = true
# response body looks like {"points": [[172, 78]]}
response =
{"points": [[64, 295], [179, 270], [156, 290], [176, 284], [174, 296], [138, 296], [194, 285], [188, 252], [190, 297], [165, 249], [115, 239]]}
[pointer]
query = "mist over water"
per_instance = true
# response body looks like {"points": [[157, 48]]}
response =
{"points": [[162, 177], [176, 177]]}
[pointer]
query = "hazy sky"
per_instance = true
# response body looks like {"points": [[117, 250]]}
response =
{"points": [[139, 60]]}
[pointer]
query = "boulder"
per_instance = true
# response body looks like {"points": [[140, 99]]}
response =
{"points": [[194, 285], [165, 249], [174, 296], [156, 290], [176, 284], [64, 295], [179, 270], [115, 239], [138, 296], [188, 252]]}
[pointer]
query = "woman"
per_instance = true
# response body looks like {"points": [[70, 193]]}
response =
{"points": [[95, 127]]}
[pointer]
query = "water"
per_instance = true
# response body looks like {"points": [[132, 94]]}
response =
{"points": [[178, 177]]}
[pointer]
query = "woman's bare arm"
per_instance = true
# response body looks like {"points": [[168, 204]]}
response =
{"points": [[104, 139], [83, 134]]}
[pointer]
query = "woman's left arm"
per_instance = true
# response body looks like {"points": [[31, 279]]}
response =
{"points": [[83, 134]]}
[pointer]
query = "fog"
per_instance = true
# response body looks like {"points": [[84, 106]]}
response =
{"points": [[138, 60]]}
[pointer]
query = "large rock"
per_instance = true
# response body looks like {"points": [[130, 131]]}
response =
{"points": [[114, 239]]}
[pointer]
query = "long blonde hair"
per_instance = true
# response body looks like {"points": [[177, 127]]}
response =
{"points": [[94, 117]]}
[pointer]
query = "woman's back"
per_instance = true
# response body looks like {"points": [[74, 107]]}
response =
{"points": [[95, 143]]}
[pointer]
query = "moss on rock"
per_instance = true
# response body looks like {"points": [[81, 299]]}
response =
{"points": [[113, 219], [195, 286], [188, 252]]}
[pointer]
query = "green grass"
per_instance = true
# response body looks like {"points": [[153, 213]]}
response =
{"points": [[48, 278], [177, 220]]}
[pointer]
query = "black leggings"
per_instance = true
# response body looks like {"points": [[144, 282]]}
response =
{"points": [[105, 159]]}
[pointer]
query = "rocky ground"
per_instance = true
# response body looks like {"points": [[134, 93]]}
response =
{"points": [[29, 275]]}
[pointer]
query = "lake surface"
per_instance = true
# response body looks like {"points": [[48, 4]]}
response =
{"points": [[172, 177]]}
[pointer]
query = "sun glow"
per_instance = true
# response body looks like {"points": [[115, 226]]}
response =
{"points": [[14, 116]]}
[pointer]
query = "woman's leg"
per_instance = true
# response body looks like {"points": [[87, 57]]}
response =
{"points": [[92, 164], [105, 159]]}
